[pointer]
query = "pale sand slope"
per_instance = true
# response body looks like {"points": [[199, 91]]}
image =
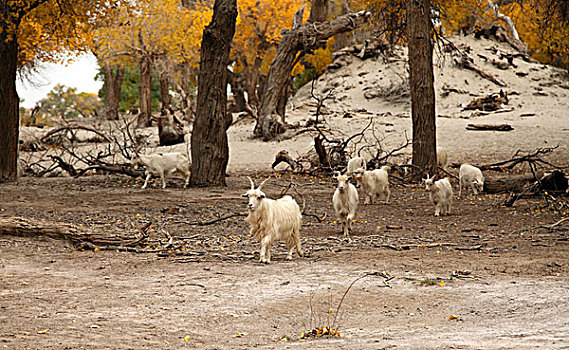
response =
{"points": [[548, 127]]}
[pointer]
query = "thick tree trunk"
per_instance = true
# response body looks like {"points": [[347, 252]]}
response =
{"points": [[421, 80], [165, 90], [145, 92], [210, 150], [9, 113], [113, 83], [303, 38]]}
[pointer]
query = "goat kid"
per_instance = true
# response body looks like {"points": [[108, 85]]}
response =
{"points": [[440, 194], [470, 176], [164, 164], [374, 183], [273, 220], [345, 201]]}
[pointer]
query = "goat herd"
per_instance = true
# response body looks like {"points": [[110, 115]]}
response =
{"points": [[281, 219]]}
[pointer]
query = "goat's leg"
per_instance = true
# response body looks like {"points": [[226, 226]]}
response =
{"points": [[387, 195], [437, 209], [297, 243], [148, 176], [265, 254], [187, 175], [163, 179]]}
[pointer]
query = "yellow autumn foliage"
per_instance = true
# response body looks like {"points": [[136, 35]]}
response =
{"points": [[52, 29], [157, 28], [259, 29]]}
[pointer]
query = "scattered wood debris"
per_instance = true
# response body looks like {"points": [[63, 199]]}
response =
{"points": [[491, 127]]}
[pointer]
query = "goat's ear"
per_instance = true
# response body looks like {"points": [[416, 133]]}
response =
{"points": [[262, 195], [335, 174], [244, 195]]}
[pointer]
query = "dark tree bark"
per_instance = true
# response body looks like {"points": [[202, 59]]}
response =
{"points": [[238, 91], [303, 38], [113, 83], [165, 90], [210, 150], [9, 113], [421, 80], [318, 11], [145, 91]]}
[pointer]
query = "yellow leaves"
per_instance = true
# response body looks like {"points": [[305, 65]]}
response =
{"points": [[441, 283], [43, 331], [187, 338], [156, 27], [94, 326], [319, 332], [453, 317], [240, 335]]}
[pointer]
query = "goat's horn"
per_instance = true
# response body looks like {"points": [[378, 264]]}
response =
{"points": [[252, 183], [262, 183]]}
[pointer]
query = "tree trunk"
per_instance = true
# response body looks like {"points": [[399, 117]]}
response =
{"points": [[421, 80], [238, 92], [303, 38], [210, 150], [318, 11], [113, 83], [145, 92], [165, 90], [345, 39], [9, 113]]}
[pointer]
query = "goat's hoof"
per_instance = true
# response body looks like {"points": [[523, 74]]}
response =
{"points": [[289, 258]]}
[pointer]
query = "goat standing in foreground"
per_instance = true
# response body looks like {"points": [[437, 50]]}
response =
{"points": [[345, 202], [440, 194], [374, 183], [470, 176], [273, 220], [164, 164]]}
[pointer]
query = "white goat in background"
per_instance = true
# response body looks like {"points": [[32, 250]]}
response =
{"points": [[442, 157], [470, 176], [354, 164], [440, 194], [374, 183], [345, 201], [273, 220], [164, 164]]}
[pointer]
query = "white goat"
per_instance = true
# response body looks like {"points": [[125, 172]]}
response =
{"points": [[470, 176], [440, 194], [164, 164], [345, 201], [273, 220], [375, 183], [354, 164], [442, 158]]}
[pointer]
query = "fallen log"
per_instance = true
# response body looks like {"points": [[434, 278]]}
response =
{"points": [[78, 236], [554, 182], [467, 63], [489, 127], [511, 183]]}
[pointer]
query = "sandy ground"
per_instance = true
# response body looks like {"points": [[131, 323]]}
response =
{"points": [[504, 278]]}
